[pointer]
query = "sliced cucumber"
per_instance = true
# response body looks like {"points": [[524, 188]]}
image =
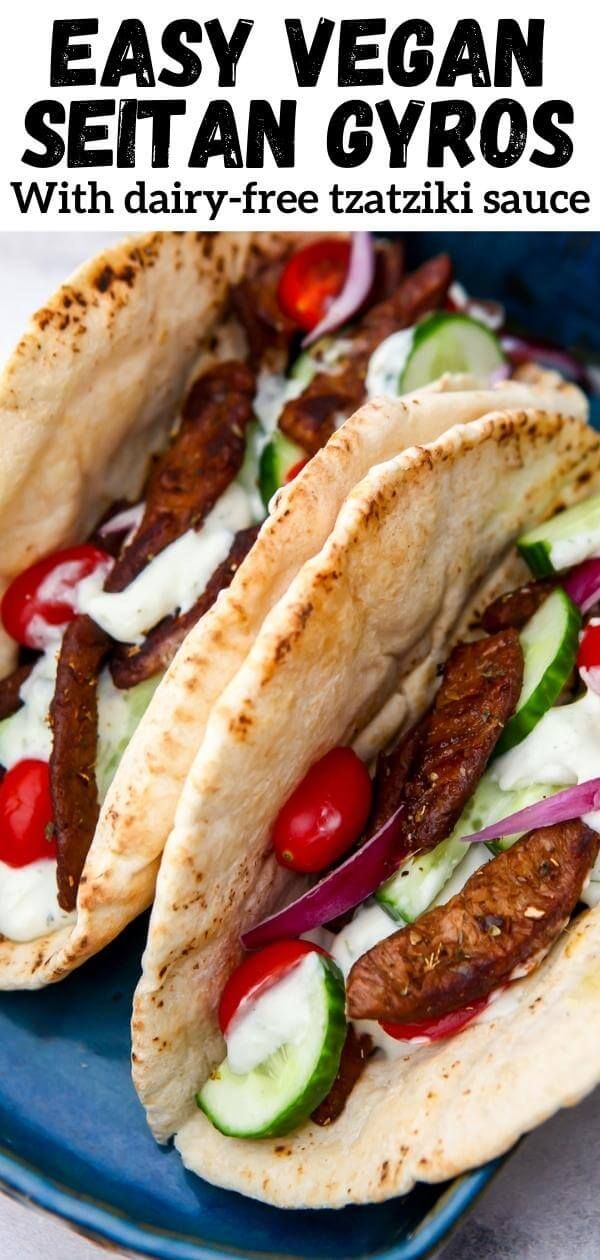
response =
{"points": [[520, 798], [566, 539], [278, 457], [282, 1091], [420, 882], [248, 475], [303, 368], [448, 342], [549, 641], [119, 714]]}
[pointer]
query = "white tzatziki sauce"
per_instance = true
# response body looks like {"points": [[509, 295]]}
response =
{"points": [[388, 362], [29, 901], [174, 579], [565, 552], [273, 391], [281, 1016], [370, 924], [27, 732], [563, 748], [28, 894]]}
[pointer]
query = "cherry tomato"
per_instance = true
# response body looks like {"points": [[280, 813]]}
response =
{"points": [[311, 279], [435, 1029], [326, 813], [26, 814], [295, 469], [44, 594], [258, 972], [588, 656]]}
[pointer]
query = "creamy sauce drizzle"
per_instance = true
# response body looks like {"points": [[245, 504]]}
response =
{"points": [[28, 901], [280, 1016], [174, 579]]}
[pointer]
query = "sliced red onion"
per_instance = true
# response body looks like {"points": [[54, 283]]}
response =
{"points": [[573, 802], [500, 374], [591, 678], [583, 584], [357, 285], [341, 890], [485, 311], [124, 521], [524, 350]]}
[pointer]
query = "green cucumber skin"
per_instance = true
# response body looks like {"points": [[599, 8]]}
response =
{"points": [[392, 896], [536, 544], [323, 1076], [550, 685], [430, 327], [537, 556], [279, 455], [303, 368]]}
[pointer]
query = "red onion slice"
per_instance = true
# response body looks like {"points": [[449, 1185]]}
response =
{"points": [[573, 802], [583, 584], [357, 285], [341, 890], [500, 374], [484, 310], [591, 678]]}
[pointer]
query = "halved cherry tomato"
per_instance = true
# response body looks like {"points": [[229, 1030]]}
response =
{"points": [[435, 1029], [26, 814], [258, 972], [311, 279], [295, 469], [44, 594], [326, 813], [588, 656]]}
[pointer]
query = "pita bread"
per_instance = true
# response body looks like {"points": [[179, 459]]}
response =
{"points": [[89, 391], [361, 628]]}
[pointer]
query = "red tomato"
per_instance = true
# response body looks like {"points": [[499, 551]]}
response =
{"points": [[311, 279], [326, 813], [258, 972], [43, 595], [295, 469], [26, 814], [588, 656], [435, 1029]]}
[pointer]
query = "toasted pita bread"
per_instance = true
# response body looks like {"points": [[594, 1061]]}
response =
{"points": [[90, 390], [416, 547]]}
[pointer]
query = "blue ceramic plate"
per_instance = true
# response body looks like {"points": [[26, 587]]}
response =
{"points": [[73, 1138]]}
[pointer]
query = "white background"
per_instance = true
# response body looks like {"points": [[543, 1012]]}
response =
{"points": [[265, 70]]}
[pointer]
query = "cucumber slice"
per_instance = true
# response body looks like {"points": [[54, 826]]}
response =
{"points": [[420, 882], [282, 1091], [566, 539], [249, 472], [279, 455], [549, 641], [447, 342], [303, 369], [119, 713], [519, 799]]}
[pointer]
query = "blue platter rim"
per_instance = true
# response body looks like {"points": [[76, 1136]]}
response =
{"points": [[98, 1221]]}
